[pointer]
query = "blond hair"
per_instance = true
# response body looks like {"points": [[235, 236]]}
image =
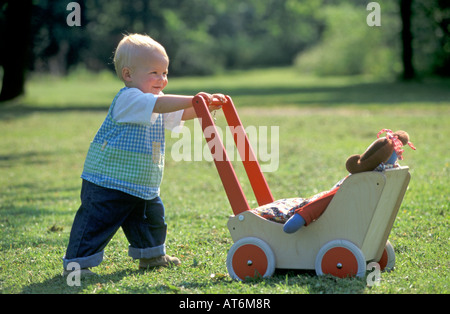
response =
{"points": [[128, 48]]}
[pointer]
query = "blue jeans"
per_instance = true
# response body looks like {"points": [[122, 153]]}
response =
{"points": [[100, 215]]}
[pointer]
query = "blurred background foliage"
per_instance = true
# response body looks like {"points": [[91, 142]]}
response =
{"points": [[348, 46], [204, 37]]}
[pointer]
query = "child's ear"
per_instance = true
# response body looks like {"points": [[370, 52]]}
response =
{"points": [[126, 74]]}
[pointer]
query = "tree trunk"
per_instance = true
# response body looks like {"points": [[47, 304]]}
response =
{"points": [[15, 42], [407, 51]]}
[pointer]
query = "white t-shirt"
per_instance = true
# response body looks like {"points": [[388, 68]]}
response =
{"points": [[135, 106]]}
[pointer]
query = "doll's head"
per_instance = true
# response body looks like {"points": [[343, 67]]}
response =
{"points": [[385, 150]]}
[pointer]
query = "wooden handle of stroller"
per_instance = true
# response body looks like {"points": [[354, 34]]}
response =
{"points": [[218, 102], [215, 101], [231, 184], [233, 188]]}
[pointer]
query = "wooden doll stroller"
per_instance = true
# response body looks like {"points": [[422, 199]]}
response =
{"points": [[352, 232]]}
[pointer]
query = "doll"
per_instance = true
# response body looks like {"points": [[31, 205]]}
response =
{"points": [[380, 155]]}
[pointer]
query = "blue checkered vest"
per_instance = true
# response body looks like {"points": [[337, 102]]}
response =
{"points": [[127, 157]]}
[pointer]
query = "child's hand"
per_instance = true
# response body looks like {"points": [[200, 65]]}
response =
{"points": [[220, 97], [213, 100]]}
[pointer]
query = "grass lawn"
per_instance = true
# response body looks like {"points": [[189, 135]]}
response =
{"points": [[45, 136]]}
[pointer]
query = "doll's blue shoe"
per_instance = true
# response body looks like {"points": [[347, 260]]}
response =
{"points": [[294, 223]]}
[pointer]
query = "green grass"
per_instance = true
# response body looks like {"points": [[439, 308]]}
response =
{"points": [[46, 134]]}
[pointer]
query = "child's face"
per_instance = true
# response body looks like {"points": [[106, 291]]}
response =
{"points": [[149, 73]]}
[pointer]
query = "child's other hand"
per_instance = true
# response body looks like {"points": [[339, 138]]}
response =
{"points": [[213, 99], [217, 98], [220, 97]]}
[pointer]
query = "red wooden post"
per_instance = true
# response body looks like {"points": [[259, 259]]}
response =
{"points": [[230, 182], [255, 175]]}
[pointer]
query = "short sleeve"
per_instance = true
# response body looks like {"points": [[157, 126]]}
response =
{"points": [[134, 106], [173, 122]]}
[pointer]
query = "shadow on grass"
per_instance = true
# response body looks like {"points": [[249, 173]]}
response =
{"points": [[33, 157], [326, 284], [60, 284], [282, 278], [379, 93], [12, 111]]}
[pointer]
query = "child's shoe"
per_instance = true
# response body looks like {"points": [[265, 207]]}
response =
{"points": [[163, 260]]}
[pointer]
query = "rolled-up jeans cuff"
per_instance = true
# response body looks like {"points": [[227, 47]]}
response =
{"points": [[147, 252], [85, 262]]}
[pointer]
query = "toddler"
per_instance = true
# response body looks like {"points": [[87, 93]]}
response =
{"points": [[124, 165]]}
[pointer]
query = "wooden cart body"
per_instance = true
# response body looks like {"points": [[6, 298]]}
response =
{"points": [[353, 230]]}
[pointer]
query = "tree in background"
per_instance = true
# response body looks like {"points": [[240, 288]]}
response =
{"points": [[349, 46], [15, 36], [407, 38], [413, 39], [204, 37], [430, 26]]}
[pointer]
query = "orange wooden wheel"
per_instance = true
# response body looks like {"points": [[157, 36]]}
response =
{"points": [[339, 262], [387, 260], [340, 258], [250, 257]]}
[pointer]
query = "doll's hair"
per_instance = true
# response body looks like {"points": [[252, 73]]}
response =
{"points": [[128, 48]]}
